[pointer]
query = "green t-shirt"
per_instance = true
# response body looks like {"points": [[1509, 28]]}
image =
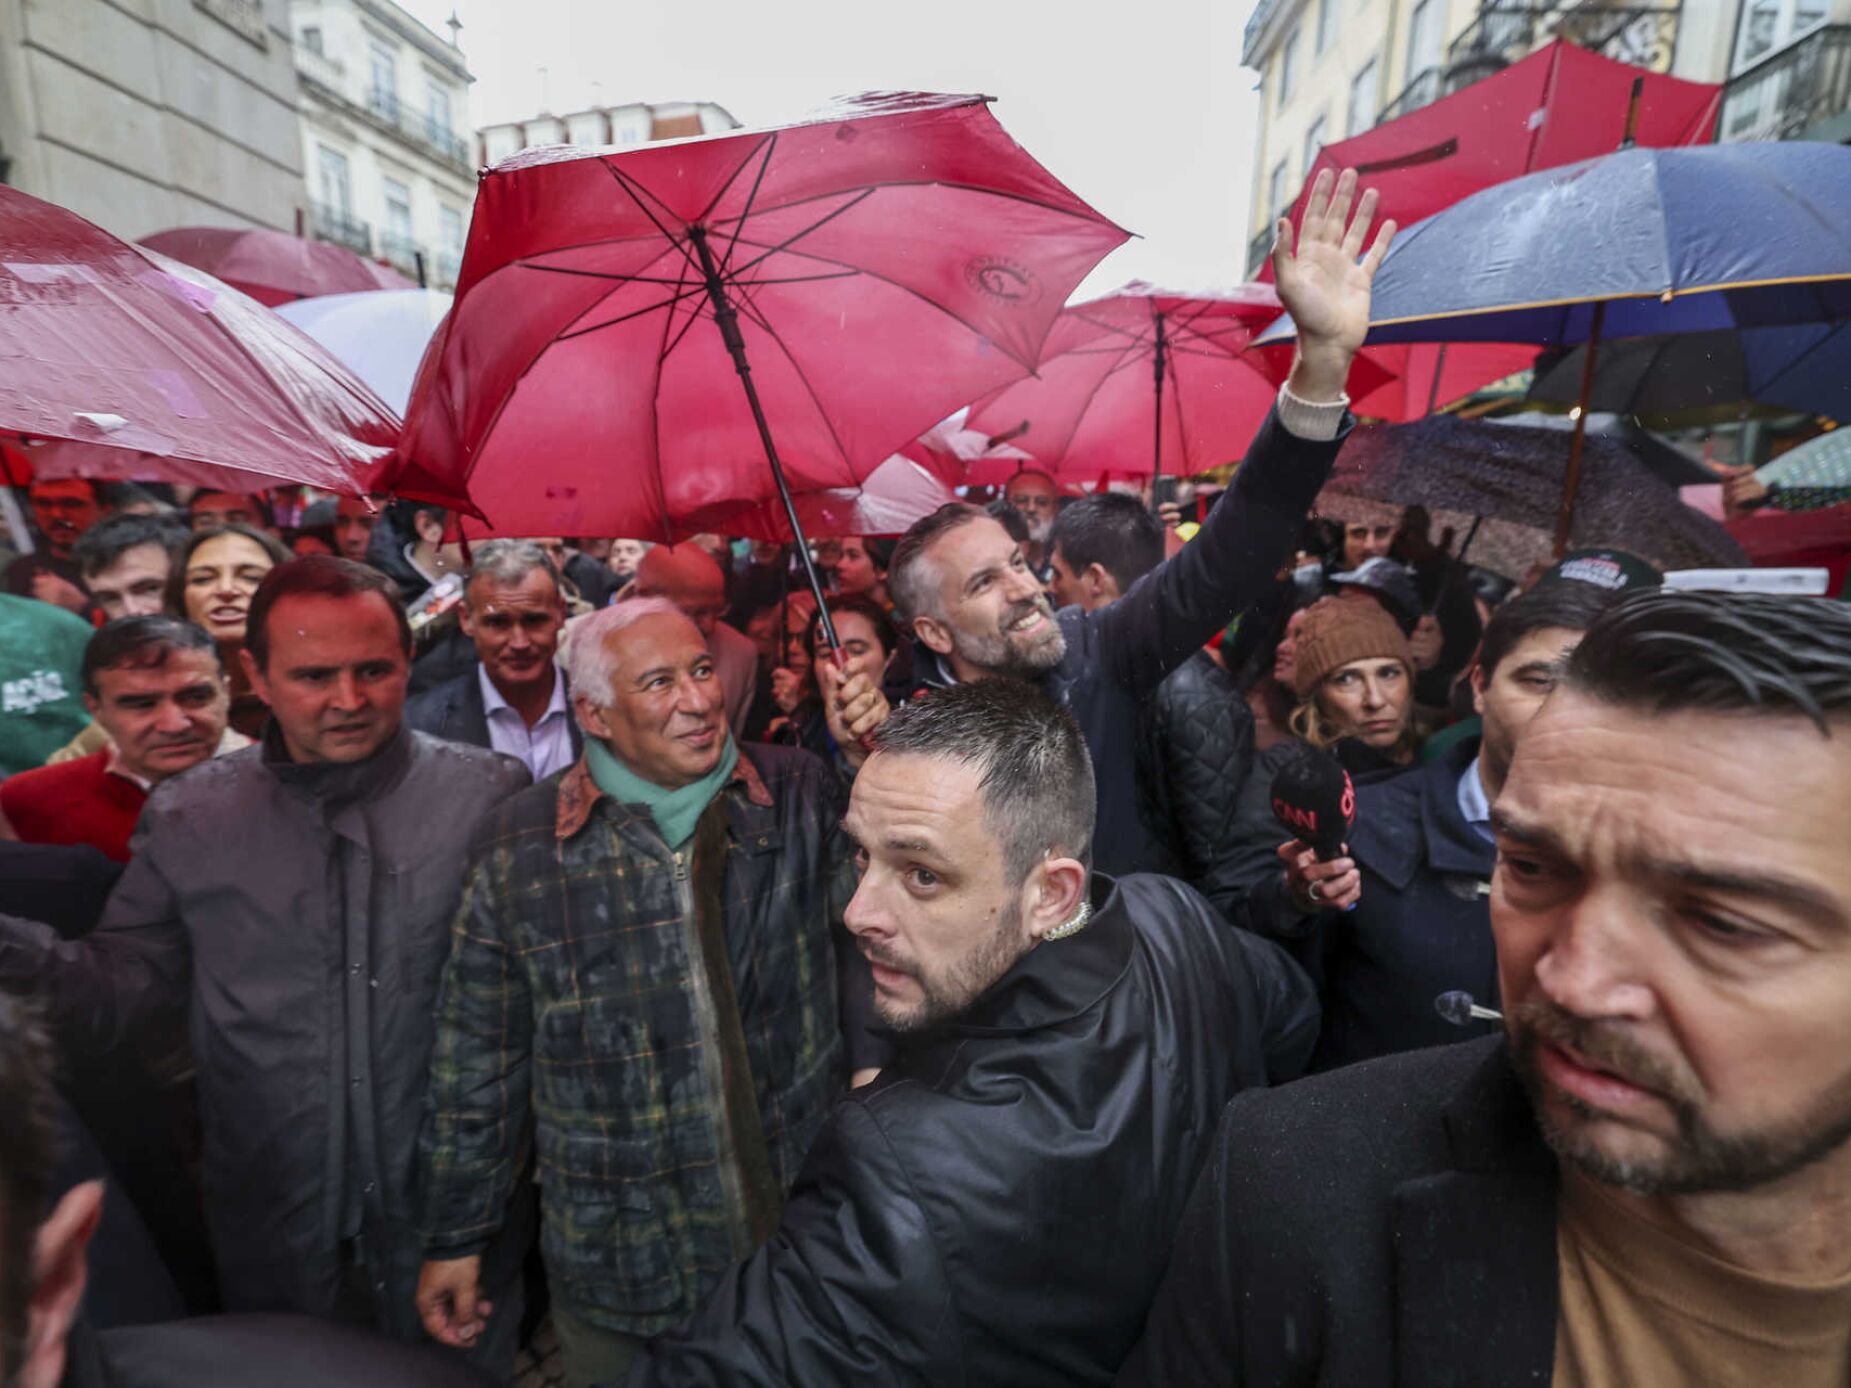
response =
{"points": [[41, 693]]}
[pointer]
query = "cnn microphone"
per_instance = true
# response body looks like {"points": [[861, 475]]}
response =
{"points": [[1458, 1008], [1315, 800]]}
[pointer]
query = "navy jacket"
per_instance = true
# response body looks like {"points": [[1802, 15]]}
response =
{"points": [[1119, 654], [454, 711], [1422, 928]]}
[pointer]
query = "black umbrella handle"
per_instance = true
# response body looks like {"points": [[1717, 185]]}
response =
{"points": [[726, 318]]}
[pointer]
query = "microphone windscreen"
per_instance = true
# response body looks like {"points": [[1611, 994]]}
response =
{"points": [[1314, 799]]}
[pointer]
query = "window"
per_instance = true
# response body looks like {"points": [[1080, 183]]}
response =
{"points": [[1314, 141], [452, 230], [382, 65], [1288, 66], [1275, 192], [1325, 24], [1364, 100], [437, 107], [398, 210], [1771, 24], [311, 38], [332, 181], [1423, 38]]}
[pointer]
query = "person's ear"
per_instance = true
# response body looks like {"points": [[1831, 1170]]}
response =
{"points": [[1057, 891], [1479, 681], [253, 674], [58, 1275], [591, 718], [933, 633], [1101, 587], [91, 706]]}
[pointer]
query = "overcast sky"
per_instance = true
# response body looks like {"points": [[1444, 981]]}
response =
{"points": [[1141, 106]]}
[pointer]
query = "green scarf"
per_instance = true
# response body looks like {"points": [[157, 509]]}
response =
{"points": [[675, 812]]}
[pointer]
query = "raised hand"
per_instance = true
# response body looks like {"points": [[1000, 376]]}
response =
{"points": [[1323, 283]]}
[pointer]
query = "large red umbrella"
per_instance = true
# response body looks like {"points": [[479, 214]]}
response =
{"points": [[105, 343], [636, 334], [274, 267], [1145, 379], [1560, 105]]}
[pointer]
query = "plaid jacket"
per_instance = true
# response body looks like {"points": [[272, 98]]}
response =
{"points": [[569, 998]]}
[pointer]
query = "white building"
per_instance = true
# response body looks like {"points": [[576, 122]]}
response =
{"points": [[385, 134], [635, 123], [144, 116]]}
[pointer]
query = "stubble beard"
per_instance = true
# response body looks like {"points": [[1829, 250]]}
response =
{"points": [[1002, 653], [963, 983]]}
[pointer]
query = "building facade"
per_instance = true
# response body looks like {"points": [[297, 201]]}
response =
{"points": [[635, 123], [143, 116], [384, 140], [1332, 69]]}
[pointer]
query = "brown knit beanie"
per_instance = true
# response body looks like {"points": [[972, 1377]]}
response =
{"points": [[1339, 630]]}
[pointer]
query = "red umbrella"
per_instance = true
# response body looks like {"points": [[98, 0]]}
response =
{"points": [[1117, 366], [1560, 105], [274, 267], [861, 275], [104, 343]]}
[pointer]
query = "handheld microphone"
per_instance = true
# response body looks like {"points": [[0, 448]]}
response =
{"points": [[1458, 1008], [1315, 800]]}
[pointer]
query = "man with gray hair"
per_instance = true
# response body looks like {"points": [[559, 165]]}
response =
{"points": [[645, 964], [997, 1207], [516, 700]]}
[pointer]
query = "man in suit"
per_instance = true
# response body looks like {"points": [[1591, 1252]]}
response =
{"points": [[1643, 1180], [515, 700]]}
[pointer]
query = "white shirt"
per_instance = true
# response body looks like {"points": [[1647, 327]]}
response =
{"points": [[1474, 804], [544, 748]]}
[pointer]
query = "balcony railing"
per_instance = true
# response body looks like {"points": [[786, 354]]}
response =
{"points": [[1791, 91], [1642, 34], [333, 224], [419, 128], [1426, 88], [320, 69], [401, 251]]}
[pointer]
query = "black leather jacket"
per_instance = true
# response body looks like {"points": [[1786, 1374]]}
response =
{"points": [[998, 1207], [1195, 749]]}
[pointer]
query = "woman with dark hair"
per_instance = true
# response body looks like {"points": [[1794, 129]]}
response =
{"points": [[211, 586], [868, 644]]}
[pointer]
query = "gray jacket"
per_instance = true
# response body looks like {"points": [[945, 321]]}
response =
{"points": [[297, 918]]}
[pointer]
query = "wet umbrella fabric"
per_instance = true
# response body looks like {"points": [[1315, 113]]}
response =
{"points": [[1513, 477], [274, 267], [381, 335], [887, 262], [111, 344]]}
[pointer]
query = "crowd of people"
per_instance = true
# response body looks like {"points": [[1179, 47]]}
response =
{"points": [[403, 945]]}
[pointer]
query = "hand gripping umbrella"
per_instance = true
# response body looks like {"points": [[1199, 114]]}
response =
{"points": [[861, 275]]}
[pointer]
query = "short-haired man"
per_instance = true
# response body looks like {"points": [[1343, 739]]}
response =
{"points": [[208, 510], [688, 576], [290, 905], [1642, 1180], [645, 963], [155, 687], [515, 700], [124, 561], [62, 510], [976, 610], [354, 519], [998, 1206], [1195, 732], [1033, 496], [1401, 916]]}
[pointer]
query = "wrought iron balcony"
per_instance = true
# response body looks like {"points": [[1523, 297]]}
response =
{"points": [[400, 251], [1642, 34], [1426, 88], [1792, 90], [333, 224], [420, 129]]}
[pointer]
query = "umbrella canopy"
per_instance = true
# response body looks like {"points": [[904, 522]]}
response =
{"points": [[380, 335], [272, 266], [1145, 379], [1659, 240], [960, 456], [895, 495], [107, 343], [1513, 477], [1803, 366], [875, 268]]}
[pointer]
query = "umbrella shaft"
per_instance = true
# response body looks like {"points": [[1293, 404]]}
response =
{"points": [[726, 318], [1157, 365]]}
